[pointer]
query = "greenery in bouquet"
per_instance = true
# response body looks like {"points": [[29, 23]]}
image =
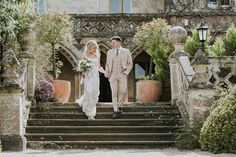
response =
{"points": [[45, 89], [85, 65]]}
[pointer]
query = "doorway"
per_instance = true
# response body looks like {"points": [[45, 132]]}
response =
{"points": [[105, 89], [141, 68]]}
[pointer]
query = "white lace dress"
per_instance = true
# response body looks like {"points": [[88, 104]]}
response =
{"points": [[89, 100]]}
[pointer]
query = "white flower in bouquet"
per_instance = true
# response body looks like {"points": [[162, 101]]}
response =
{"points": [[85, 65]]}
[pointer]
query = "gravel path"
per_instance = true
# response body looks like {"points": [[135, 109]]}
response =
{"points": [[113, 153]]}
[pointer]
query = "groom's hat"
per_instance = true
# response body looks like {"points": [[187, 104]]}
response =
{"points": [[116, 38]]}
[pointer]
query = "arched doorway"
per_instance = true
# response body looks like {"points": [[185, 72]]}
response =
{"points": [[67, 74], [141, 67], [105, 89]]}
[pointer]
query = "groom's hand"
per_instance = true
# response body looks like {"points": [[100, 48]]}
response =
{"points": [[106, 74], [125, 73]]}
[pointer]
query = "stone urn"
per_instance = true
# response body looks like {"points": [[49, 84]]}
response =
{"points": [[62, 91], [25, 37], [148, 91]]}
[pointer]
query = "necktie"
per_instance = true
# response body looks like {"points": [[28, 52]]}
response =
{"points": [[117, 51]]}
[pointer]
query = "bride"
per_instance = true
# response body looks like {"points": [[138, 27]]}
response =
{"points": [[89, 100]]}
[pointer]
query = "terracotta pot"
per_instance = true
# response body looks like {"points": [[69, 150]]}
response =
{"points": [[62, 91], [148, 90]]}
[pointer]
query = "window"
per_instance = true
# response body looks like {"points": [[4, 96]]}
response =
{"points": [[121, 6], [42, 6], [225, 2], [139, 70], [212, 4]]}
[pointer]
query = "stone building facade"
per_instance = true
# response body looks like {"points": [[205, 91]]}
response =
{"points": [[101, 19], [135, 6]]}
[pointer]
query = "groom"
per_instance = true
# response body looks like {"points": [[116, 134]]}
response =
{"points": [[118, 65]]}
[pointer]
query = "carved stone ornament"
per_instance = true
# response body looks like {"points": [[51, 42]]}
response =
{"points": [[10, 64], [200, 58], [177, 37], [201, 76]]}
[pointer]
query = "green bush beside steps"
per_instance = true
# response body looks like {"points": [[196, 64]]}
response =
{"points": [[218, 134]]}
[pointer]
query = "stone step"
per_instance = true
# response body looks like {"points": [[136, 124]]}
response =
{"points": [[51, 104], [102, 129], [102, 137], [65, 126], [106, 115], [102, 122], [76, 109], [99, 144]]}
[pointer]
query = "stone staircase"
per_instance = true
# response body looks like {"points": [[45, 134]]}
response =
{"points": [[64, 126]]}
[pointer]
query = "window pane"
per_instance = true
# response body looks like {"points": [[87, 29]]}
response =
{"points": [[225, 2], [42, 6], [115, 6], [127, 5], [139, 70]]}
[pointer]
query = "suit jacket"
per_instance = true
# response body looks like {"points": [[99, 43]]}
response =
{"points": [[126, 63]]}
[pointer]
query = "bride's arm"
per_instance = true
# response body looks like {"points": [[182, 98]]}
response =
{"points": [[83, 56], [100, 69]]}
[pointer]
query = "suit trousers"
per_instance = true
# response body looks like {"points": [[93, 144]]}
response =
{"points": [[119, 89]]}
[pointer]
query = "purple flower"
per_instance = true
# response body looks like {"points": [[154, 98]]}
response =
{"points": [[45, 89]]}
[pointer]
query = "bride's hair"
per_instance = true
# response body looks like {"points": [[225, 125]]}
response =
{"points": [[89, 45]]}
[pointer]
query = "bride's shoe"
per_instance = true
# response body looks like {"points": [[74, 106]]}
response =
{"points": [[91, 118]]}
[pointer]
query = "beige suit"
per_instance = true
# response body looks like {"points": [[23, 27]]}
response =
{"points": [[118, 67]]}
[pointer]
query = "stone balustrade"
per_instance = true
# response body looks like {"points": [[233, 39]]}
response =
{"points": [[107, 25], [15, 91]]}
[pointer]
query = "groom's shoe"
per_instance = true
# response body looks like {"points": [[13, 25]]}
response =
{"points": [[115, 115], [119, 111]]}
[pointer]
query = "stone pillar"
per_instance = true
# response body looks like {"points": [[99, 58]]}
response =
{"points": [[174, 79], [31, 78], [177, 37], [201, 92], [29, 59], [200, 100], [77, 85], [12, 118]]}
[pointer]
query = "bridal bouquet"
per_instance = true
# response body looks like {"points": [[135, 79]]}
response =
{"points": [[85, 65]]}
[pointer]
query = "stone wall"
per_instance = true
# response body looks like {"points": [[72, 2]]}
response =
{"points": [[101, 6], [80, 6], [139, 6]]}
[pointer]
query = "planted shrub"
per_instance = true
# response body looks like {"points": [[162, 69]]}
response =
{"points": [[193, 43], [45, 89], [218, 133], [217, 49], [230, 40], [189, 137]]}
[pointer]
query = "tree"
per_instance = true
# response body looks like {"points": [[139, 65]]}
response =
{"points": [[153, 36], [54, 28]]}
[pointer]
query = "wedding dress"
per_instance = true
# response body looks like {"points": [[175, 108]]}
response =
{"points": [[89, 100]]}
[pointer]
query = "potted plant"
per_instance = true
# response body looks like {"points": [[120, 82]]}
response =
{"points": [[54, 28], [153, 36], [25, 17], [151, 84]]}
